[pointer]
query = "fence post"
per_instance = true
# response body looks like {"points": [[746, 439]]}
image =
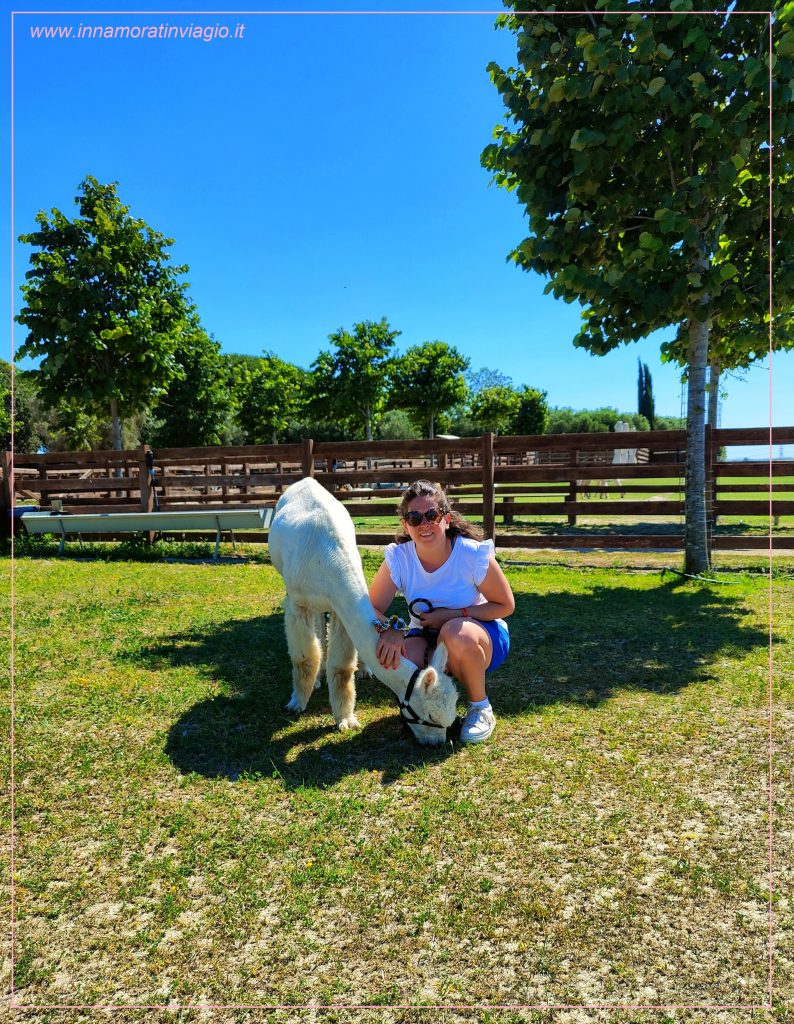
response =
{"points": [[488, 510], [307, 463], [711, 516], [45, 498], [570, 497], [147, 494], [147, 491], [573, 489], [6, 494]]}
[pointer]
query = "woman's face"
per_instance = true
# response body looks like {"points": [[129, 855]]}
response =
{"points": [[427, 533]]}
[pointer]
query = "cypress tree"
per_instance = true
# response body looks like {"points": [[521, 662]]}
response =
{"points": [[645, 402], [649, 411]]}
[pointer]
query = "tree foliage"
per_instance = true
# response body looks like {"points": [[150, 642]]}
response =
{"points": [[533, 412], [70, 428], [397, 425], [104, 307], [645, 400], [427, 380], [485, 377], [495, 408], [457, 420], [7, 406], [22, 410], [195, 409], [64, 427], [268, 396], [507, 410], [638, 150], [638, 146], [586, 421], [349, 384]]}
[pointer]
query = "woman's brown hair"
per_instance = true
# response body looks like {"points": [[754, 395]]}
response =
{"points": [[458, 526]]}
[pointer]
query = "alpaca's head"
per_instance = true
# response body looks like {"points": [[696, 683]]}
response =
{"points": [[433, 698]]}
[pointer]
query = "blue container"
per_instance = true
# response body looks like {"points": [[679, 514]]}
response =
{"points": [[15, 515]]}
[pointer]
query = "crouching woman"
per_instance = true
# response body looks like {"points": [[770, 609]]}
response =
{"points": [[456, 592]]}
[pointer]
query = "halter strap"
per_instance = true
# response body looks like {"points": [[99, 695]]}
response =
{"points": [[430, 636], [407, 712]]}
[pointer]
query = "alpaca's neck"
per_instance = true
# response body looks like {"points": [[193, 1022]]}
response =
{"points": [[357, 621]]}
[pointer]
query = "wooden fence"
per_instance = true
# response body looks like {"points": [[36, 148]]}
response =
{"points": [[493, 478]]}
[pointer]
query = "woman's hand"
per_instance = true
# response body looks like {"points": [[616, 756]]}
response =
{"points": [[438, 616], [390, 648]]}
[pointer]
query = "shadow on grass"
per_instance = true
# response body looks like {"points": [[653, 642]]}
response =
{"points": [[567, 648], [672, 529], [245, 732], [582, 648], [585, 530]]}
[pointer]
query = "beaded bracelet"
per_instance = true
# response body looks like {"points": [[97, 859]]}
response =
{"points": [[394, 622]]}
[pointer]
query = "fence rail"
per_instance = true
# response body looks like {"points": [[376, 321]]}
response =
{"points": [[600, 476]]}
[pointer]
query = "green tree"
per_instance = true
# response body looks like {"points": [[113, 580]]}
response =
{"points": [[638, 146], [479, 380], [427, 380], [457, 420], [495, 409], [645, 401], [65, 427], [588, 421], [669, 423], [533, 412], [22, 410], [319, 430], [8, 411], [104, 308], [267, 397], [195, 409], [71, 429], [397, 425], [352, 379], [496, 405]]}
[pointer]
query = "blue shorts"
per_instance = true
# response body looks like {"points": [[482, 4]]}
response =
{"points": [[500, 641], [500, 638]]}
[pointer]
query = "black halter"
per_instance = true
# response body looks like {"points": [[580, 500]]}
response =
{"points": [[407, 712], [430, 636]]}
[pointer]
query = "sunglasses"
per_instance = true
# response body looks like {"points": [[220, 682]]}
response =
{"points": [[431, 516]]}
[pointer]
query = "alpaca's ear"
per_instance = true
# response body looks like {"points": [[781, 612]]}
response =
{"points": [[428, 679], [439, 660]]}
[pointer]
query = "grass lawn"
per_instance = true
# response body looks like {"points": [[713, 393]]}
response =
{"points": [[182, 840]]}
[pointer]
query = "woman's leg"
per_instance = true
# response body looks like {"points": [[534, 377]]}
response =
{"points": [[470, 650], [415, 647]]}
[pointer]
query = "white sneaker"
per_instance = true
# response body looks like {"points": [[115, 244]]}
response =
{"points": [[478, 725]]}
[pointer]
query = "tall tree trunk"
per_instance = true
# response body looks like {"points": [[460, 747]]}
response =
{"points": [[116, 421], [431, 429], [696, 553]]}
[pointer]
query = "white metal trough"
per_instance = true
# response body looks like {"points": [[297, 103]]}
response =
{"points": [[77, 524]]}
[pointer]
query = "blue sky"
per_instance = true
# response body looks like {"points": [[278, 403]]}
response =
{"points": [[318, 171]]}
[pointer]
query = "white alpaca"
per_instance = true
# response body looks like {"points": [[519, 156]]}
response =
{"points": [[313, 545]]}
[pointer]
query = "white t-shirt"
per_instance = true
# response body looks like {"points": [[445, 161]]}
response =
{"points": [[455, 584]]}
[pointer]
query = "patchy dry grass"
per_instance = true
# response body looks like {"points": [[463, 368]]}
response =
{"points": [[181, 840]]}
